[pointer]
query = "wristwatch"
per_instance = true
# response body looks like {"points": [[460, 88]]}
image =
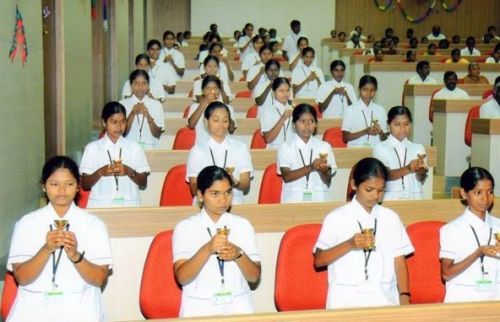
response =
{"points": [[239, 255]]}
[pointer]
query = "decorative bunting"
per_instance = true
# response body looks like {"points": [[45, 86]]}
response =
{"points": [[417, 19], [452, 7], [19, 39], [384, 7]]}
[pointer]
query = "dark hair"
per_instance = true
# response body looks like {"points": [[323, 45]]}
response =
{"points": [[153, 42], [336, 63], [138, 73], [421, 64], [248, 24], [455, 51], [140, 57], [167, 33], [368, 168], [470, 38], [209, 58], [342, 33], [307, 50], [60, 162], [213, 36], [409, 53], [209, 175], [209, 110], [213, 45], [270, 63], [211, 79], [294, 23], [111, 108], [431, 45], [448, 74], [280, 81], [396, 111], [301, 109], [256, 38], [497, 80], [471, 176], [267, 46], [367, 79], [302, 38], [497, 48], [469, 67]]}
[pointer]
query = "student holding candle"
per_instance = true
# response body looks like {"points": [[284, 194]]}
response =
{"points": [[113, 167]]}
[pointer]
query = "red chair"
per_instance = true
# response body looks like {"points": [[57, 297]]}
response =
{"points": [[160, 295], [186, 112], [9, 294], [271, 185], [258, 141], [460, 81], [175, 191], [334, 136], [471, 115], [431, 108], [252, 112], [298, 284], [83, 197], [487, 94], [184, 139], [424, 271], [244, 94]]}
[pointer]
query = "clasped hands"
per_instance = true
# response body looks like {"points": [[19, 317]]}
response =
{"points": [[225, 250], [62, 238]]}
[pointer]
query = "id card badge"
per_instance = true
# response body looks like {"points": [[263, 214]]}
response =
{"points": [[53, 297], [223, 297], [484, 285], [366, 287], [307, 195], [118, 200]]}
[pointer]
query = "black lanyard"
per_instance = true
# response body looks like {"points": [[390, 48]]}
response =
{"points": [[220, 262], [55, 263], [305, 74], [285, 127], [402, 165], [481, 257], [304, 163], [141, 125], [368, 252], [366, 121], [213, 159], [111, 163]]}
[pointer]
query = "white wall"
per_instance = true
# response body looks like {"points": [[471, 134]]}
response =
{"points": [[317, 20]]}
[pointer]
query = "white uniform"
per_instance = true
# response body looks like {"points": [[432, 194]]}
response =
{"points": [[140, 131], [300, 62], [254, 71], [456, 94], [204, 53], [458, 242], [338, 103], [359, 117], [155, 88], [491, 60], [269, 116], [229, 153], [490, 109], [198, 295], [465, 52], [200, 127], [223, 73], [176, 55], [346, 278], [290, 43], [438, 37], [251, 59], [295, 154], [104, 193], [242, 42], [417, 80], [395, 154], [79, 301], [164, 74], [310, 89], [197, 91]]}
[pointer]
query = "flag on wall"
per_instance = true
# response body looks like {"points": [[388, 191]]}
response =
{"points": [[19, 39]]}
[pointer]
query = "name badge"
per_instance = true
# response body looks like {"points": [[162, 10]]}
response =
{"points": [[53, 297], [118, 200], [307, 195], [484, 285], [223, 297], [366, 287]]}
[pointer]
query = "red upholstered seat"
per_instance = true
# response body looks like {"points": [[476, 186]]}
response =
{"points": [[271, 185], [83, 197], [244, 94], [184, 139], [252, 112], [473, 114], [334, 136], [258, 141], [9, 294], [487, 93], [175, 191]]}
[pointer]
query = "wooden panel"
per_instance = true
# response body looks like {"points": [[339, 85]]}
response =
{"points": [[174, 15], [427, 90], [470, 18], [395, 66], [363, 59], [455, 106], [486, 126]]}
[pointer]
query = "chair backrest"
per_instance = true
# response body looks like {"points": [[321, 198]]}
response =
{"points": [[175, 191], [271, 185], [258, 141], [431, 108], [472, 114], [487, 93], [424, 269], [252, 112], [9, 294], [160, 295], [334, 136], [246, 94], [299, 285], [83, 197], [184, 139]]}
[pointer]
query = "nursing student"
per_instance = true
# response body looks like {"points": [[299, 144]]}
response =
{"points": [[364, 245], [160, 72], [211, 66], [156, 90], [405, 160], [255, 74], [60, 255], [263, 90], [295, 60], [276, 116], [171, 56], [307, 78], [470, 250], [220, 150], [145, 121], [252, 57], [225, 71], [215, 252], [114, 168], [365, 122], [245, 41], [335, 95], [305, 163]]}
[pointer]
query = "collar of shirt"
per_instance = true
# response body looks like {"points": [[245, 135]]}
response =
{"points": [[208, 222], [475, 221], [364, 107], [360, 212], [68, 215], [396, 143], [168, 51], [337, 84], [216, 145], [303, 145], [281, 107], [108, 144]]}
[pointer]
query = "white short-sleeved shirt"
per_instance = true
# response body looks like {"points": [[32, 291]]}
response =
{"points": [[290, 156], [458, 242], [300, 62], [290, 43], [395, 154], [490, 109], [164, 74], [252, 73], [79, 297], [251, 59], [241, 43], [338, 103], [346, 274], [202, 134], [358, 117], [95, 156], [260, 88], [189, 236], [438, 37], [465, 52], [491, 60], [140, 131], [204, 53], [155, 88], [176, 55], [198, 92], [417, 80], [269, 116], [223, 73], [456, 94], [229, 153], [310, 89]]}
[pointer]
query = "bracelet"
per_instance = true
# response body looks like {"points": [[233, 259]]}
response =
{"points": [[79, 258], [405, 293]]}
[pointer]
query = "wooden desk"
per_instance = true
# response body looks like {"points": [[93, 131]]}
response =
{"points": [[449, 125], [418, 97], [185, 86], [485, 147]]}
